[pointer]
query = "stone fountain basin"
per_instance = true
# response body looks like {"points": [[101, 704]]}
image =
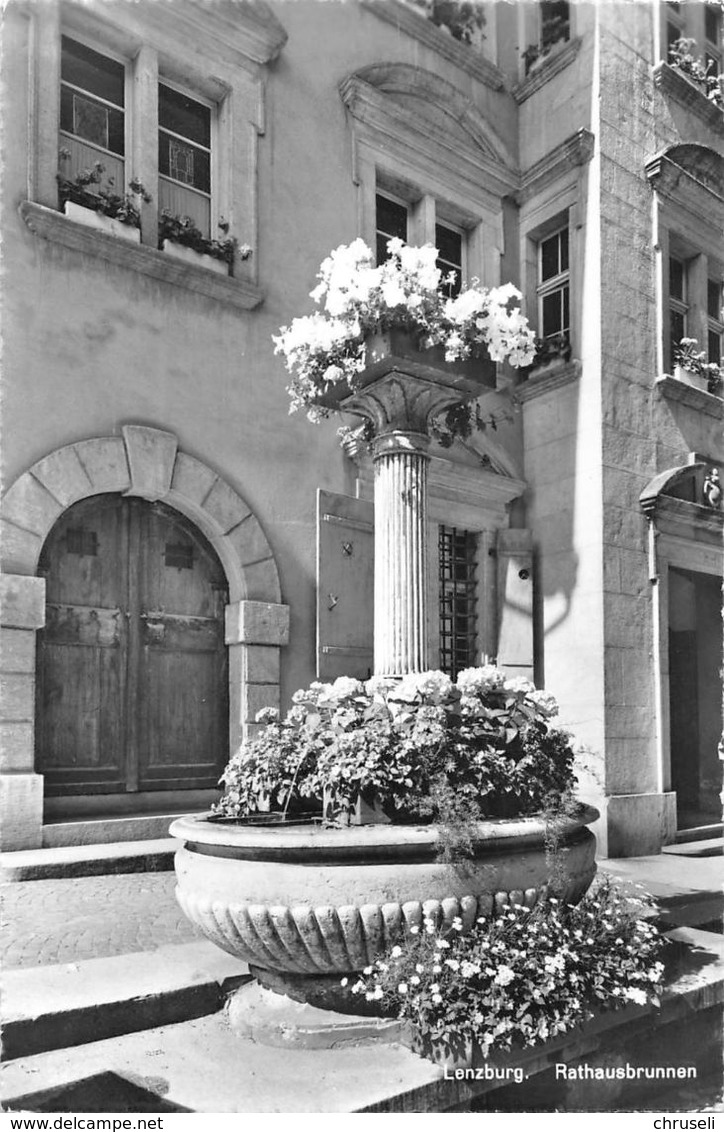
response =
{"points": [[313, 901]]}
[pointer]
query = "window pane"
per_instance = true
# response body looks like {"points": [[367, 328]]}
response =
{"points": [[564, 249], [92, 121], [184, 163], [91, 71], [714, 350], [450, 245], [676, 278], [391, 219], [555, 18], [182, 115], [673, 33], [714, 299], [553, 313], [678, 328], [550, 260], [566, 308], [712, 23]]}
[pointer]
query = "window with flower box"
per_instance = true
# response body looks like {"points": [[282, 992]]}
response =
{"points": [[93, 120], [185, 156]]}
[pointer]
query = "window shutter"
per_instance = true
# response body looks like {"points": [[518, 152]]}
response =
{"points": [[345, 581], [515, 602]]}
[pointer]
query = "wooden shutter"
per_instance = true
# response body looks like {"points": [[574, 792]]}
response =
{"points": [[515, 602], [345, 581]]}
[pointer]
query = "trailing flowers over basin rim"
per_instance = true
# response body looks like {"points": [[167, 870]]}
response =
{"points": [[358, 299]]}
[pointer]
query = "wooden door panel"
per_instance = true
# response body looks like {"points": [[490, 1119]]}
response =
{"points": [[185, 724], [82, 722], [81, 685], [183, 700]]}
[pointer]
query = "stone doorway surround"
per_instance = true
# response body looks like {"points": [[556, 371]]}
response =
{"points": [[144, 462], [684, 533]]}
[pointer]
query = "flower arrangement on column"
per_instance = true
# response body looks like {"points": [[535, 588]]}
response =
{"points": [[409, 807]]}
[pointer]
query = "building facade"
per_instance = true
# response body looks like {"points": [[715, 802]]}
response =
{"points": [[179, 552]]}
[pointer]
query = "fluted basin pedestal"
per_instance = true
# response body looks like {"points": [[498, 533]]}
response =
{"points": [[309, 906]]}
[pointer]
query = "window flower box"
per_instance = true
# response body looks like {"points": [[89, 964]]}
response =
{"points": [[193, 258], [92, 219], [689, 377]]}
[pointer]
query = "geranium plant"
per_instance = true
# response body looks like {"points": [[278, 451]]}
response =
{"points": [[520, 976], [424, 747], [358, 299], [689, 357], [87, 190], [182, 230]]}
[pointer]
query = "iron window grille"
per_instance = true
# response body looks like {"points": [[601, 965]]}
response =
{"points": [[458, 599]]}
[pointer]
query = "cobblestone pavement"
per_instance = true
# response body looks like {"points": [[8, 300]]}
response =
{"points": [[64, 921]]}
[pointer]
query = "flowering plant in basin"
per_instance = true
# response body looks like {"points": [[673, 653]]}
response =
{"points": [[358, 298], [519, 976], [424, 748]]}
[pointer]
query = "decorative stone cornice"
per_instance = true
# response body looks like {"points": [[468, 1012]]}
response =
{"points": [[702, 164], [413, 23], [672, 82], [675, 390], [467, 149], [545, 379], [234, 34], [550, 66], [575, 151], [59, 229]]}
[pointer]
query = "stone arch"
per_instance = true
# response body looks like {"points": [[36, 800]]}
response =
{"points": [[144, 462]]}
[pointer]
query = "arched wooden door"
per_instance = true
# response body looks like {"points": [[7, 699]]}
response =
{"points": [[132, 681]]}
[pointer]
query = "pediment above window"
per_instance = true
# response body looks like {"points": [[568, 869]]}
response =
{"points": [[426, 116]]}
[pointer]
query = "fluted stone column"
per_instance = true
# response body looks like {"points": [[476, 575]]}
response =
{"points": [[398, 394], [401, 462]]}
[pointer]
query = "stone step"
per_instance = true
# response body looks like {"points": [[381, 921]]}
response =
{"points": [[699, 833], [203, 1066], [709, 847], [107, 830], [49, 1008], [88, 860]]}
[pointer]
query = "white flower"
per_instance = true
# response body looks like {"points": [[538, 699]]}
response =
{"points": [[396, 952], [635, 994], [402, 988], [437, 999], [504, 975], [434, 988], [343, 982], [415, 930], [415, 980], [478, 681]]}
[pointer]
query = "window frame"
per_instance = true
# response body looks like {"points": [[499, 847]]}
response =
{"points": [[715, 323], [554, 284], [101, 49], [215, 211]]}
